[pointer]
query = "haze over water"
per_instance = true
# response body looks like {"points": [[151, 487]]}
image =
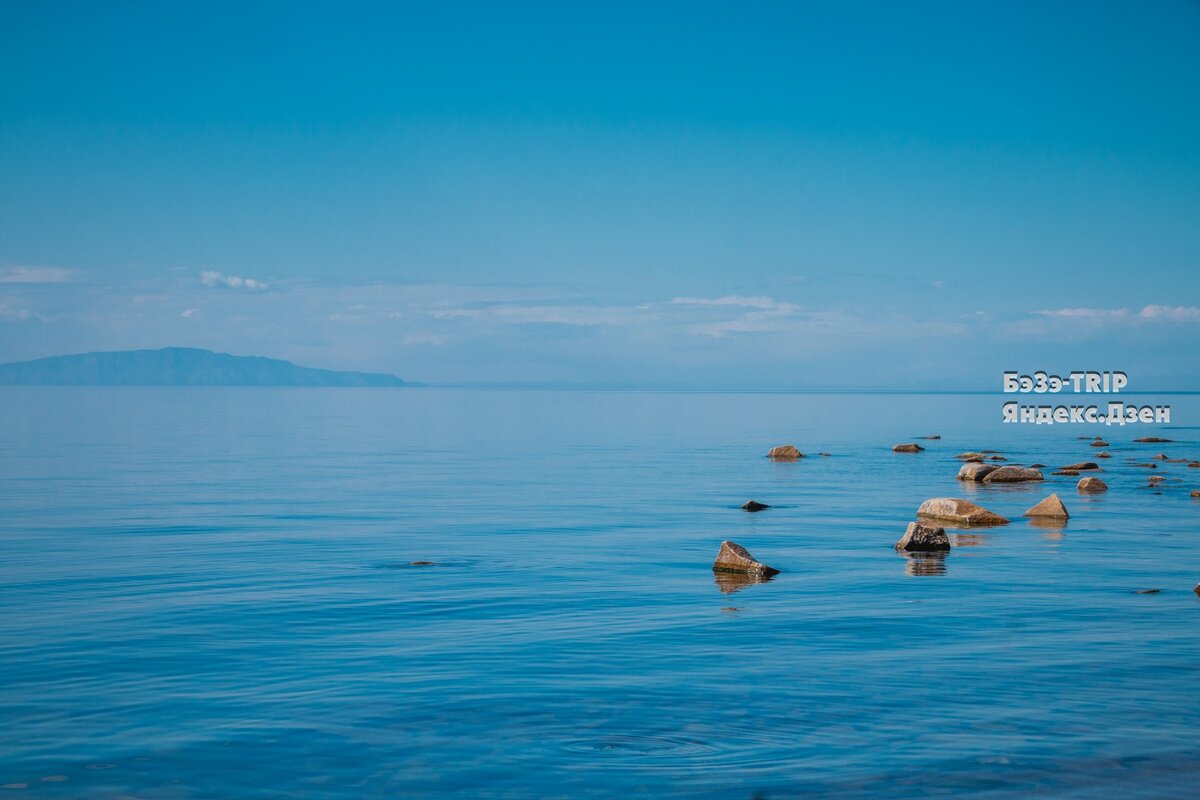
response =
{"points": [[209, 592]]}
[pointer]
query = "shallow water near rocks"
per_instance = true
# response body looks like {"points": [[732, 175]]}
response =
{"points": [[212, 593]]}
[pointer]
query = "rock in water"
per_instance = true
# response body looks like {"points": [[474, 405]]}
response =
{"points": [[1103, 455], [785, 452], [1013, 475], [1152, 439], [1092, 485], [975, 471], [910, 447], [922, 539], [1099, 443], [1082, 466], [732, 557], [754, 505], [1050, 507], [970, 456], [1195, 492], [959, 511]]}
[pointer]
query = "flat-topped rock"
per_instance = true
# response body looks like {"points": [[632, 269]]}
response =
{"points": [[961, 512], [923, 539], [732, 557], [1092, 485], [785, 452], [975, 471], [754, 505], [1082, 466], [909, 447], [1071, 472], [1152, 439], [1013, 475], [970, 455], [1052, 507], [1099, 443]]}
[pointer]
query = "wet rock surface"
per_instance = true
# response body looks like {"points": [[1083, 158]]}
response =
{"points": [[785, 452], [908, 447], [1013, 475], [1092, 485], [732, 557], [956, 510], [920, 538], [975, 471], [1052, 508]]}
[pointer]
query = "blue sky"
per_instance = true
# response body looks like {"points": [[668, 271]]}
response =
{"points": [[716, 194]]}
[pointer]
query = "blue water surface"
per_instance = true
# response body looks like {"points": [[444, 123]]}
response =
{"points": [[209, 592]]}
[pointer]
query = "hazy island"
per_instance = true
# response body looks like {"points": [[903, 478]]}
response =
{"points": [[179, 366]]}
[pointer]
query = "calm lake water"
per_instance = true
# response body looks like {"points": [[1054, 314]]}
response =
{"points": [[208, 593]]}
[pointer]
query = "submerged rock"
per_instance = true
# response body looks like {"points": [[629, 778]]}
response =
{"points": [[1147, 591], [1092, 485], [1066, 472], [732, 557], [923, 539], [962, 512], [934, 436], [1152, 439], [824, 454], [1013, 475], [1147, 465], [785, 452], [910, 447], [1156, 479], [1104, 454], [975, 471], [970, 456], [754, 505], [1082, 466], [998, 458], [1050, 507], [1037, 465]]}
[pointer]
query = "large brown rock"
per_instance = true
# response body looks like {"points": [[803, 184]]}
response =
{"points": [[1051, 507], [910, 447], [1082, 466], [1092, 485], [923, 539], [975, 471], [1013, 475], [961, 512], [732, 557], [785, 452]]}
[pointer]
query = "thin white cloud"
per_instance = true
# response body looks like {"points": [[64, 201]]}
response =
{"points": [[1084, 313], [1171, 313], [35, 275], [214, 279], [189, 313], [1152, 313], [727, 300], [10, 313]]}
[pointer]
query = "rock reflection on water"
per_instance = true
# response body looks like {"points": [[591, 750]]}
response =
{"points": [[1052, 529], [968, 539], [924, 563], [730, 582]]}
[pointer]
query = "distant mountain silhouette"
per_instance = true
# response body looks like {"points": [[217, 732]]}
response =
{"points": [[179, 366]]}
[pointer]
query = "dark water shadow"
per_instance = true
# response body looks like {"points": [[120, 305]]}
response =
{"points": [[918, 564], [730, 582]]}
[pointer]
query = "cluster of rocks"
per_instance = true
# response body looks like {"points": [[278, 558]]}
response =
{"points": [[925, 537]]}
